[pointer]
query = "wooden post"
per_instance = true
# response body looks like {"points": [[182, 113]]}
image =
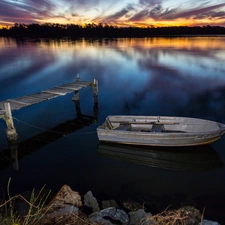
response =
{"points": [[78, 111], [13, 146], [95, 95], [96, 111], [95, 90], [76, 96], [78, 77], [11, 130]]}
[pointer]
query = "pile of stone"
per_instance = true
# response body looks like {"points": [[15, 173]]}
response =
{"points": [[68, 207]]}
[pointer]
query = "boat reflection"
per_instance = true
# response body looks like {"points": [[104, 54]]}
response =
{"points": [[196, 158]]}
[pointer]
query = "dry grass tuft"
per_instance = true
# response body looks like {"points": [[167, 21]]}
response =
{"points": [[69, 219], [187, 215]]}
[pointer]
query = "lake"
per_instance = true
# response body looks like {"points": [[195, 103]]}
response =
{"points": [[179, 76]]}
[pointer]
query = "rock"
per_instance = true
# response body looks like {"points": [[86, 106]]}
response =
{"points": [[91, 201], [109, 203], [208, 222], [139, 216], [66, 196], [131, 205], [100, 220], [65, 209], [67, 214], [111, 213]]}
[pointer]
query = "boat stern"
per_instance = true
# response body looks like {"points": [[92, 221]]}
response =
{"points": [[222, 128]]}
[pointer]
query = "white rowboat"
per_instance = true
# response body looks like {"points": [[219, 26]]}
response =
{"points": [[159, 130]]}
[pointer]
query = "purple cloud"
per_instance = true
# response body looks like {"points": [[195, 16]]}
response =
{"points": [[150, 2], [193, 13], [117, 15], [113, 12], [25, 12]]}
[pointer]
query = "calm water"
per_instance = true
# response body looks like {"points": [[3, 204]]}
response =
{"points": [[183, 76]]}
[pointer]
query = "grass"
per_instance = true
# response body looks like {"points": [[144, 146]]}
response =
{"points": [[35, 212]]}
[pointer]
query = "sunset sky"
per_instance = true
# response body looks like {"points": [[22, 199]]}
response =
{"points": [[114, 12]]}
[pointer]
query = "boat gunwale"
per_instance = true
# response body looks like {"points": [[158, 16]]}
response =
{"points": [[146, 136], [220, 126]]}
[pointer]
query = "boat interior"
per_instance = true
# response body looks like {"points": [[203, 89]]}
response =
{"points": [[160, 126]]}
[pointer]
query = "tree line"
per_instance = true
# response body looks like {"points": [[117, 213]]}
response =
{"points": [[104, 30]]}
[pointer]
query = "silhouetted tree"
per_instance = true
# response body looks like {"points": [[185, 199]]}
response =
{"points": [[104, 30]]}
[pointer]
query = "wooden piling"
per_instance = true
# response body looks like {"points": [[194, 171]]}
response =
{"points": [[78, 77], [76, 96], [11, 130], [78, 110], [95, 90], [95, 95], [13, 146]]}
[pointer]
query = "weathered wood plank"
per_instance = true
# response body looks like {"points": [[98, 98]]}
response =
{"points": [[16, 101], [44, 96], [24, 101], [2, 112], [86, 83], [77, 84], [59, 91], [15, 105], [69, 88], [28, 100]]}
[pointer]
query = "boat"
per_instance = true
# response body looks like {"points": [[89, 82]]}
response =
{"points": [[159, 130], [199, 158]]}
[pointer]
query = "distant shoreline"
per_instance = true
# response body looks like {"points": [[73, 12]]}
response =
{"points": [[105, 31]]}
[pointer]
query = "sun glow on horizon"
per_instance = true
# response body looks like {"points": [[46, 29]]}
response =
{"points": [[135, 13]]}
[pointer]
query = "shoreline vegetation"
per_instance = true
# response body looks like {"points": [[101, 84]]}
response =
{"points": [[104, 30], [68, 207]]}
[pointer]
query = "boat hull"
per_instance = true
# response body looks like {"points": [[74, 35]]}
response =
{"points": [[175, 138], [155, 140]]}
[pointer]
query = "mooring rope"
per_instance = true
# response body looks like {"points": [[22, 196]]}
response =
{"points": [[52, 131]]}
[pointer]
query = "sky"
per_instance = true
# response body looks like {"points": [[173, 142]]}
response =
{"points": [[114, 12]]}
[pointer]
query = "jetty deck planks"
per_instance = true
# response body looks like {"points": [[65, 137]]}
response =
{"points": [[28, 100]]}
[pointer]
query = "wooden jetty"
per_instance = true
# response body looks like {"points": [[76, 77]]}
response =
{"points": [[9, 105]]}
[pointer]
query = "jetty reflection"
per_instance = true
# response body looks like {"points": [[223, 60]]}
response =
{"points": [[196, 158], [17, 151]]}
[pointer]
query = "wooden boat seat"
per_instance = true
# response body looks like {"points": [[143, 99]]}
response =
{"points": [[125, 127], [157, 128]]}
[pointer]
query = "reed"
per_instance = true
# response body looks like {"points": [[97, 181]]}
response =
{"points": [[36, 209]]}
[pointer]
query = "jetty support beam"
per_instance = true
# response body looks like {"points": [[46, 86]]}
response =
{"points": [[76, 96], [11, 130], [95, 90], [95, 95]]}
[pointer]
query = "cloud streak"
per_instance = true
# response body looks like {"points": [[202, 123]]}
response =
{"points": [[112, 12]]}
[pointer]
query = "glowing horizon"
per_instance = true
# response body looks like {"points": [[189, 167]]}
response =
{"points": [[139, 13]]}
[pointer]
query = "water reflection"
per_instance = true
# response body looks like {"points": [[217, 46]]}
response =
{"points": [[17, 151], [195, 158], [155, 71], [181, 76]]}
